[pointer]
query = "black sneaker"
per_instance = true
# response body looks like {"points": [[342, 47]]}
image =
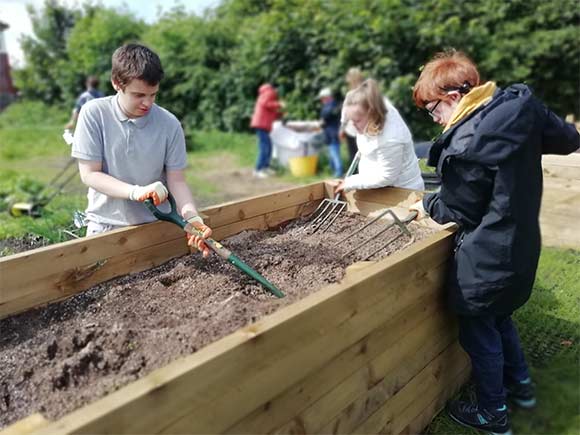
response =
{"points": [[494, 421], [522, 394]]}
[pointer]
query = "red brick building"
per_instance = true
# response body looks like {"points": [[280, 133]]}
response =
{"points": [[7, 90]]}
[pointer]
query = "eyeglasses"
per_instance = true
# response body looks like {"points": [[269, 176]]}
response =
{"points": [[432, 110]]}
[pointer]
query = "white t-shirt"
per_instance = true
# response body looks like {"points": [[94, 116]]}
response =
{"points": [[136, 151], [387, 159]]}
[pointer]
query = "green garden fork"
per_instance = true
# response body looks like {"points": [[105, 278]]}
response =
{"points": [[217, 247]]}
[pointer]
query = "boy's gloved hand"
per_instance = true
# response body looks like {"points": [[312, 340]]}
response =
{"points": [[197, 242], [156, 191]]}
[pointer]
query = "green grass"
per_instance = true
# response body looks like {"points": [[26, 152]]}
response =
{"points": [[31, 153], [425, 168], [29, 130], [549, 327]]}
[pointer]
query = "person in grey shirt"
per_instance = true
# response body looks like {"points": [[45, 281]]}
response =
{"points": [[129, 149]]}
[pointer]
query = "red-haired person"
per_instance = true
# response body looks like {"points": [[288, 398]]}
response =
{"points": [[489, 160]]}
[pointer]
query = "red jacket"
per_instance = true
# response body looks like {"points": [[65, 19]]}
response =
{"points": [[266, 110]]}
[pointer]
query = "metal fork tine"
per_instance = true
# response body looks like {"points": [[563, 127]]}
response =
{"points": [[342, 206], [387, 244], [401, 224], [368, 239], [321, 216], [388, 211], [329, 206]]}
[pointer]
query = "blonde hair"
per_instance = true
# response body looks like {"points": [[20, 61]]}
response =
{"points": [[354, 77], [369, 97]]}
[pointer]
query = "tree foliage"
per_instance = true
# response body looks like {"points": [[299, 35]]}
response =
{"points": [[215, 63]]}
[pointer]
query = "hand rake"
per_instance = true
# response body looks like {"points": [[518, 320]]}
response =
{"points": [[329, 209], [400, 223], [217, 247]]}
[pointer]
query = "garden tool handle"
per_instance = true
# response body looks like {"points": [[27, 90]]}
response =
{"points": [[410, 217], [173, 217], [350, 171]]}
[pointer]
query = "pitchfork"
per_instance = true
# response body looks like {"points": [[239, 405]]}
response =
{"points": [[330, 209]]}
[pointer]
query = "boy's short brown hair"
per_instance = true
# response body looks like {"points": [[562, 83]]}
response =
{"points": [[134, 61], [448, 70]]}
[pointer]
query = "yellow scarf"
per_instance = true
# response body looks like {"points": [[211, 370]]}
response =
{"points": [[470, 102]]}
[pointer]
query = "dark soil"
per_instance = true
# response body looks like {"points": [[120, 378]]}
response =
{"points": [[58, 358], [14, 245]]}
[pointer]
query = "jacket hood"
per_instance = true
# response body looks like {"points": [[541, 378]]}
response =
{"points": [[266, 89], [470, 103], [494, 131]]}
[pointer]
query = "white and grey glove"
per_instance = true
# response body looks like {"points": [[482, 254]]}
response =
{"points": [[195, 241], [195, 219], [156, 191]]}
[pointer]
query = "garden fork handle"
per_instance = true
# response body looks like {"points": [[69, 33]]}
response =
{"points": [[174, 217], [350, 171]]}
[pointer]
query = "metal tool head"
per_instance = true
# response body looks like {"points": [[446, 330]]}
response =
{"points": [[391, 221], [325, 215], [330, 209]]}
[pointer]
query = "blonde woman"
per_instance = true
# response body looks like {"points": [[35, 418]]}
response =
{"points": [[383, 140]]}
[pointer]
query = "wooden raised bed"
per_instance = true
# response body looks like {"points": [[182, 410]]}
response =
{"points": [[374, 353], [560, 211]]}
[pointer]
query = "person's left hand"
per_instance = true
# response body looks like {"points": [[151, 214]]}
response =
{"points": [[197, 242]]}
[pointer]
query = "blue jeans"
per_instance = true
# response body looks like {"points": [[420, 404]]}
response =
{"points": [[264, 149], [496, 354], [335, 160]]}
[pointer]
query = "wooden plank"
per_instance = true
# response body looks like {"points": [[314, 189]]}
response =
{"points": [[83, 263], [195, 394], [19, 271], [386, 195], [62, 284], [236, 211], [353, 399], [423, 419], [442, 390], [27, 425], [266, 221], [567, 206], [562, 166], [442, 371], [562, 236], [303, 394]]}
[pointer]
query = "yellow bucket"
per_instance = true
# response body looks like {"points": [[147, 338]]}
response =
{"points": [[303, 166]]}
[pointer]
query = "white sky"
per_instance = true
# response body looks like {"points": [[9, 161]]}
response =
{"points": [[14, 13]]}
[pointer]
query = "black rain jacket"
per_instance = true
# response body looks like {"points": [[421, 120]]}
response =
{"points": [[491, 172]]}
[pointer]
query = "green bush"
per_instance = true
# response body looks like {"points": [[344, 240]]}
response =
{"points": [[214, 64]]}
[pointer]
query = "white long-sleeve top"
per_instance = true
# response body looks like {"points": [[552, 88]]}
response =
{"points": [[387, 159]]}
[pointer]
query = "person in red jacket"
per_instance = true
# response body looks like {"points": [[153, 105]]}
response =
{"points": [[266, 111]]}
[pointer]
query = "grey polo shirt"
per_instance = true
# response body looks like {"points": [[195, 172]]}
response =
{"points": [[136, 151]]}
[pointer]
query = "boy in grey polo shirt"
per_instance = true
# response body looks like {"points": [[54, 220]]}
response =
{"points": [[129, 149]]}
